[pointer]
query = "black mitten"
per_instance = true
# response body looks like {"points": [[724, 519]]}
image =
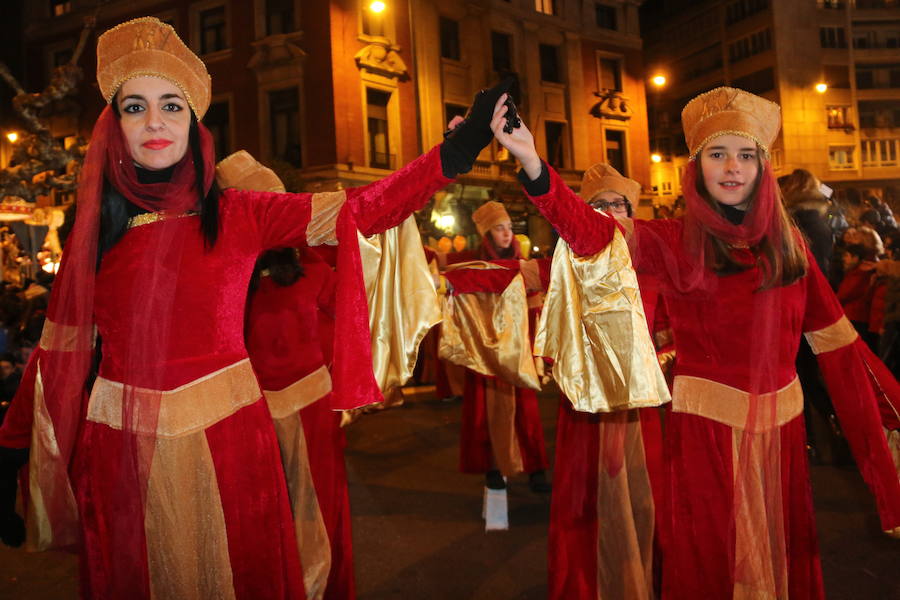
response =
{"points": [[463, 143]]}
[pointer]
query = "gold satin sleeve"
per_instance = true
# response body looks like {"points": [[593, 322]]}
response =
{"points": [[593, 327], [326, 206], [488, 333], [403, 303]]}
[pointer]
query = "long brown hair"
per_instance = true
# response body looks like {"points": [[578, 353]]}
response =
{"points": [[782, 260]]}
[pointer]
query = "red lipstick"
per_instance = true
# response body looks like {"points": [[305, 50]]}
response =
{"points": [[156, 144]]}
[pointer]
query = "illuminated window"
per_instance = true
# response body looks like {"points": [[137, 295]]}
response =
{"points": [[840, 158], [548, 7], [59, 8], [837, 117]]}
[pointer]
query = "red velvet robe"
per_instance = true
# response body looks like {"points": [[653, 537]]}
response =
{"points": [[708, 480], [219, 510]]}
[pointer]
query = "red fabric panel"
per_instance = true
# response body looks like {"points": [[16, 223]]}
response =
{"points": [[573, 540], [475, 454], [804, 568], [876, 314], [855, 294], [325, 443], [113, 556], [699, 559], [467, 281], [849, 373], [16, 429], [261, 541]]}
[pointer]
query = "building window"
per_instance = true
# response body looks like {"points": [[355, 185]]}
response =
{"points": [[548, 7], [501, 52], [879, 153], [865, 78], [615, 150], [892, 39], [550, 63], [863, 40], [750, 45], [758, 82], [832, 4], [556, 142], [212, 30], [279, 16], [895, 77], [380, 156], [449, 30], [218, 120], [454, 110], [284, 119], [606, 16], [610, 74], [837, 117], [59, 8], [837, 76], [373, 23], [840, 158], [832, 37], [741, 9]]}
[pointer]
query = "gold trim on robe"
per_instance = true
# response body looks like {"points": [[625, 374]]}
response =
{"points": [[593, 327], [46, 497], [488, 333], [186, 409], [325, 209], [298, 395], [734, 407], [837, 335], [57, 337]]}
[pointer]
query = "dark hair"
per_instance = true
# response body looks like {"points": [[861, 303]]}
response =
{"points": [[283, 265], [861, 252], [782, 261], [114, 207]]}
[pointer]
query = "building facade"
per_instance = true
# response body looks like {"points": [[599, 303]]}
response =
{"points": [[337, 94], [846, 132]]}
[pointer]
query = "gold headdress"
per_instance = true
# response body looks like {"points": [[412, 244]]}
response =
{"points": [[148, 47], [603, 178], [730, 111], [489, 214]]}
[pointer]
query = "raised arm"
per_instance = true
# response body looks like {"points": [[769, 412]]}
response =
{"points": [[586, 230]]}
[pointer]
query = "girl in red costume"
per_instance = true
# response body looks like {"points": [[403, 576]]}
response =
{"points": [[477, 454], [165, 470], [741, 288]]}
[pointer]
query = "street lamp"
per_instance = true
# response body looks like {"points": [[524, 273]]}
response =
{"points": [[821, 87], [656, 157], [12, 136], [377, 6], [659, 80]]}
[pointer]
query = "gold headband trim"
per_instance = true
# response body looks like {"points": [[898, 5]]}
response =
{"points": [[118, 83], [709, 138]]}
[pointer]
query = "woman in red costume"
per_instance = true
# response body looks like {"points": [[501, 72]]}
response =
{"points": [[741, 288], [477, 454], [165, 470]]}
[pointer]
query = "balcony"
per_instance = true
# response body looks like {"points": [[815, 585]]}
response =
{"points": [[877, 153]]}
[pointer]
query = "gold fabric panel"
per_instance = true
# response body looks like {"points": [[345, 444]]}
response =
{"points": [[309, 526], [186, 409], [488, 333], [625, 503], [325, 209], [737, 408], [531, 273], [760, 555], [187, 543], [403, 304], [593, 327], [837, 335], [500, 401], [299, 394], [56, 337], [45, 471]]}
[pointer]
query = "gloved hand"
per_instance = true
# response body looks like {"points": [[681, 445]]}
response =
{"points": [[463, 143]]}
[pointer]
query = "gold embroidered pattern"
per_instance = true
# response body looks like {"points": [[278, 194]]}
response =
{"points": [[153, 217]]}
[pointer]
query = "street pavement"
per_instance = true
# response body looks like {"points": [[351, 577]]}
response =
{"points": [[418, 533]]}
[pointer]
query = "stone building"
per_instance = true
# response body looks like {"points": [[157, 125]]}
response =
{"points": [[846, 132]]}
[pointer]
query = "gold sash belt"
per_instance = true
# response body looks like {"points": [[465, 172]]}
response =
{"points": [[299, 394], [732, 407], [186, 409]]}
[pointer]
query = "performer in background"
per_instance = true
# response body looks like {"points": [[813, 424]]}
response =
{"points": [[741, 288], [166, 472]]}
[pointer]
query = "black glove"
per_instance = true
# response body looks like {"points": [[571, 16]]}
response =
{"points": [[463, 143]]}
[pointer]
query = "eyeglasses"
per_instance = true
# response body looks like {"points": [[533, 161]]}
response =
{"points": [[603, 205]]}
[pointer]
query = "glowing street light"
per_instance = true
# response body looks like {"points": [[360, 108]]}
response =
{"points": [[446, 222], [659, 80], [377, 6], [821, 87], [12, 136], [656, 157]]}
